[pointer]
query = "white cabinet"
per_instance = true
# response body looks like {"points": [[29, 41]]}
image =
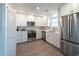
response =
{"points": [[41, 21], [56, 40], [68, 8], [38, 21], [38, 34], [21, 20], [49, 37], [21, 36], [31, 18], [53, 38]]}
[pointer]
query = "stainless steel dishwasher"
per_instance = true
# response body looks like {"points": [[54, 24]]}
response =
{"points": [[44, 35]]}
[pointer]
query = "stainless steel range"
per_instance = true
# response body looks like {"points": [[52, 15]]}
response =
{"points": [[31, 35], [30, 31]]}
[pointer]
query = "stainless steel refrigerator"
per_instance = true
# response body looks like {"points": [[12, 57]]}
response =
{"points": [[69, 43]]}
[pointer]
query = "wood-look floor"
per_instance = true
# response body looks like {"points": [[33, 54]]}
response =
{"points": [[37, 48]]}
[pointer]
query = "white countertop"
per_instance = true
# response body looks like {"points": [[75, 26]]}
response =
{"points": [[44, 29]]}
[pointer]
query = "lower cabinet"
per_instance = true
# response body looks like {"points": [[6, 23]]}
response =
{"points": [[38, 34], [53, 38], [21, 36]]}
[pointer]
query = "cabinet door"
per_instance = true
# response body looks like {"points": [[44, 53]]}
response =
{"points": [[24, 36], [38, 34], [31, 18], [56, 40], [19, 36], [49, 37], [40, 21], [21, 20]]}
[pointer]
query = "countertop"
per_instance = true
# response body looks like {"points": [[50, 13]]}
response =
{"points": [[46, 29]]}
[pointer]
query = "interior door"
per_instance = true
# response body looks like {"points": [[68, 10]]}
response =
{"points": [[11, 33], [65, 24]]}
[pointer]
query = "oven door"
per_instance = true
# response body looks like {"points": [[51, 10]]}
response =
{"points": [[31, 35]]}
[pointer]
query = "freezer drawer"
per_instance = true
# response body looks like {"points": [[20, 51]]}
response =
{"points": [[62, 46], [74, 49], [67, 48]]}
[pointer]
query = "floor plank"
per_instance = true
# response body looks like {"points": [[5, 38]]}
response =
{"points": [[37, 48]]}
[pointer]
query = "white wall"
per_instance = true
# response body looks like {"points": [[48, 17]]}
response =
{"points": [[67, 8]]}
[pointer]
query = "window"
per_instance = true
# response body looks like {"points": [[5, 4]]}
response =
{"points": [[53, 21]]}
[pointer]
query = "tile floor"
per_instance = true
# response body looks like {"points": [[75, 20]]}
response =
{"points": [[37, 48]]}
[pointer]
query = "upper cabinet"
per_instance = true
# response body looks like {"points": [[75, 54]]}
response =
{"points": [[21, 20], [31, 18], [69, 8], [41, 21]]}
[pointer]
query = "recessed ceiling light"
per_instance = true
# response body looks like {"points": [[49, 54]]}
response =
{"points": [[37, 7]]}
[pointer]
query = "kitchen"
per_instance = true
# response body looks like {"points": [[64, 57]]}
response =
{"points": [[37, 23], [41, 22]]}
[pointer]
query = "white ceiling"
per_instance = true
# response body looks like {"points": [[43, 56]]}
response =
{"points": [[30, 8]]}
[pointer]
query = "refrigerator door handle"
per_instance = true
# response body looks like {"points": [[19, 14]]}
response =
{"points": [[69, 26]]}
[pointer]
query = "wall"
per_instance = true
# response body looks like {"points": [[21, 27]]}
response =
{"points": [[2, 29], [67, 8]]}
